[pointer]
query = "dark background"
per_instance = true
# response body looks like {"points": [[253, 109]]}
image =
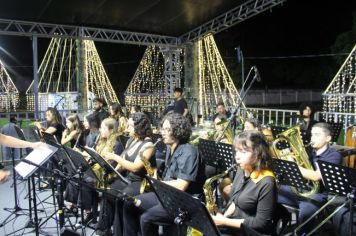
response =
{"points": [[303, 28]]}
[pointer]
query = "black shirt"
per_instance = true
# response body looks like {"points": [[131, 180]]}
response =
{"points": [[185, 163], [180, 105], [101, 115], [255, 201], [59, 131]]}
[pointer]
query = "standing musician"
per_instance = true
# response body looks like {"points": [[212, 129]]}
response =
{"points": [[108, 142], [320, 138], [54, 124], [73, 130], [253, 196], [131, 165], [184, 170]]}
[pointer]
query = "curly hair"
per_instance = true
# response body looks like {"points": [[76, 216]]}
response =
{"points": [[181, 128], [257, 142], [142, 125], [254, 122]]}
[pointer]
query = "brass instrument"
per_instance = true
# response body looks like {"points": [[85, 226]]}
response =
{"points": [[209, 193], [297, 153], [149, 170]]}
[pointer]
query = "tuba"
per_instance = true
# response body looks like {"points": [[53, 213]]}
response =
{"points": [[297, 152]]}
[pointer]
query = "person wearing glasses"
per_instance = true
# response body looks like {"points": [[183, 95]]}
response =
{"points": [[184, 170]]}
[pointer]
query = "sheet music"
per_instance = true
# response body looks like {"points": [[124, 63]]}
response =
{"points": [[37, 156]]}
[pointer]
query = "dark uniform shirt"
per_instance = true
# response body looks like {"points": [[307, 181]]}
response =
{"points": [[255, 201], [101, 115], [185, 163], [180, 105]]}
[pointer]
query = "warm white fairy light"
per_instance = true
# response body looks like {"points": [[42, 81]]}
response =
{"points": [[215, 82], [340, 95], [149, 88], [57, 73], [9, 95]]}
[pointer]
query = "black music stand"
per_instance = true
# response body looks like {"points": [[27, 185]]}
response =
{"points": [[336, 130], [103, 163], [183, 208], [339, 180], [218, 155], [288, 173]]}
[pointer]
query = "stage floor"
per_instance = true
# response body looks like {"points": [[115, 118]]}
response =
{"points": [[46, 213]]}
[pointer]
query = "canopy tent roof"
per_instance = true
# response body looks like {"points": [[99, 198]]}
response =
{"points": [[163, 17]]}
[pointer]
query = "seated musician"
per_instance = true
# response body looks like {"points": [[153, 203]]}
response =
{"points": [[54, 124], [115, 111], [320, 139], [184, 170], [226, 184], [108, 142], [130, 164], [73, 130], [253, 197], [91, 130]]}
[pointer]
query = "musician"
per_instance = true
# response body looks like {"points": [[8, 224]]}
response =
{"points": [[73, 130], [9, 141], [116, 112], [54, 124], [252, 124], [221, 111], [253, 195], [99, 111], [91, 130], [108, 142], [320, 139], [306, 112], [130, 164], [184, 170]]}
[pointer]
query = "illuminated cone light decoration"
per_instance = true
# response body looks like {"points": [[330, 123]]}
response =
{"points": [[58, 83], [340, 95], [9, 95]]}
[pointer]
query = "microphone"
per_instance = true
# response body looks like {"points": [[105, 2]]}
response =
{"points": [[257, 75]]}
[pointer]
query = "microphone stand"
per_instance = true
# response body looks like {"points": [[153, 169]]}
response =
{"points": [[237, 108]]}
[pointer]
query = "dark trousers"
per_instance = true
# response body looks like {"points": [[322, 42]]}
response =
{"points": [[146, 217], [307, 207], [112, 208]]}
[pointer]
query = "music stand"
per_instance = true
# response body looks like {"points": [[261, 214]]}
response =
{"points": [[209, 152], [103, 163], [336, 130], [183, 208], [288, 173]]}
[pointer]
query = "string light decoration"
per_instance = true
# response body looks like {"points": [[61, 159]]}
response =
{"points": [[58, 78], [340, 95], [215, 83], [155, 78], [9, 95]]}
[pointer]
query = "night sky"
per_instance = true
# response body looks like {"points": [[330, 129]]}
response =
{"points": [[299, 27]]}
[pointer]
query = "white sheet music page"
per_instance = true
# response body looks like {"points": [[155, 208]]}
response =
{"points": [[37, 156]]}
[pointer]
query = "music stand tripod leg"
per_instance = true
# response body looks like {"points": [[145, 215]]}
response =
{"points": [[13, 211]]}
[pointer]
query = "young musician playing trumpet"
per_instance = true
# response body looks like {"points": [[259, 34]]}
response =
{"points": [[320, 139]]}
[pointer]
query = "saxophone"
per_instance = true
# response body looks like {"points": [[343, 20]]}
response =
{"points": [[149, 170], [209, 191]]}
